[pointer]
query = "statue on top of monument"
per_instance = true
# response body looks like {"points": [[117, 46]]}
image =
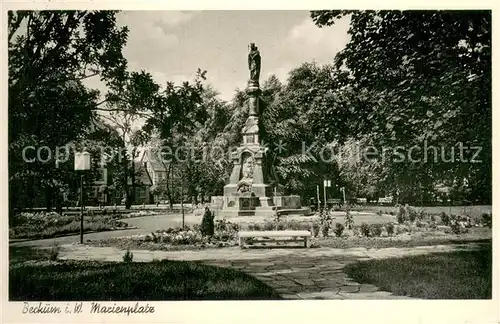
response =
{"points": [[254, 63]]}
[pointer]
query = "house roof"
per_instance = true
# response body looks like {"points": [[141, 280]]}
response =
{"points": [[141, 174], [154, 162]]}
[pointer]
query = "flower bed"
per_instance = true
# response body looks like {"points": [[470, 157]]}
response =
{"points": [[414, 225], [46, 225], [189, 237]]}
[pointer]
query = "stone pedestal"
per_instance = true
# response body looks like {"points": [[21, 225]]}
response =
{"points": [[249, 191]]}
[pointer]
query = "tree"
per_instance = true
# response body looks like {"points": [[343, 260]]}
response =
{"points": [[422, 77], [294, 117], [125, 105], [175, 115], [50, 53], [360, 173]]}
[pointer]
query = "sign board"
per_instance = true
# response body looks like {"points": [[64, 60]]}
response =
{"points": [[82, 161]]}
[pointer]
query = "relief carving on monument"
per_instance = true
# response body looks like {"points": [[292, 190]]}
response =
{"points": [[245, 183], [247, 168]]}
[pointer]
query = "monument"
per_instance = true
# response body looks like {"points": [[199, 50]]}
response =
{"points": [[249, 191]]}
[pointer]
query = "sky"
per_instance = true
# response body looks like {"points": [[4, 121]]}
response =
{"points": [[172, 45]]}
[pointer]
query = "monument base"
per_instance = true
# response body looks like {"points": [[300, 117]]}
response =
{"points": [[241, 205]]}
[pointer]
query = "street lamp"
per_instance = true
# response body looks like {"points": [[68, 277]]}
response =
{"points": [[82, 163], [326, 184]]}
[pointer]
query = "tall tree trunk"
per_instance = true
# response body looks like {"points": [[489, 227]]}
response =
{"points": [[58, 201], [48, 198], [169, 187], [128, 202], [31, 193], [132, 174]]}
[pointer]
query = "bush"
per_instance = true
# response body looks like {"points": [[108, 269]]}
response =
{"points": [[390, 229], [325, 229], [54, 253], [486, 219], [456, 228], [221, 225], [421, 214], [401, 229], [349, 220], [296, 225], [339, 228], [376, 230], [128, 256], [401, 216], [412, 214], [315, 228], [379, 213], [197, 228], [270, 226], [365, 229], [445, 219], [207, 223]]}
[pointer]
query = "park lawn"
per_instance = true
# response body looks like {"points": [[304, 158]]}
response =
{"points": [[157, 280], [454, 275], [64, 225]]}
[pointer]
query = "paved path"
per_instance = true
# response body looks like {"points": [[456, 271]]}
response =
{"points": [[315, 273]]}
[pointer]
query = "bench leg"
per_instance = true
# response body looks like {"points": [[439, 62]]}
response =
{"points": [[307, 242], [242, 242]]}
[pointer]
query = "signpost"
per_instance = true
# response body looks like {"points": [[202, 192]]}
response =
{"points": [[182, 201], [343, 193], [82, 163], [317, 193]]}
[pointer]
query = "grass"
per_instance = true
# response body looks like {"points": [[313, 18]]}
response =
{"points": [[67, 225], [19, 255], [98, 281], [455, 275]]}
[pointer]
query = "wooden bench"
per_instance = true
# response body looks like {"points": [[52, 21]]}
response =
{"points": [[305, 235]]}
